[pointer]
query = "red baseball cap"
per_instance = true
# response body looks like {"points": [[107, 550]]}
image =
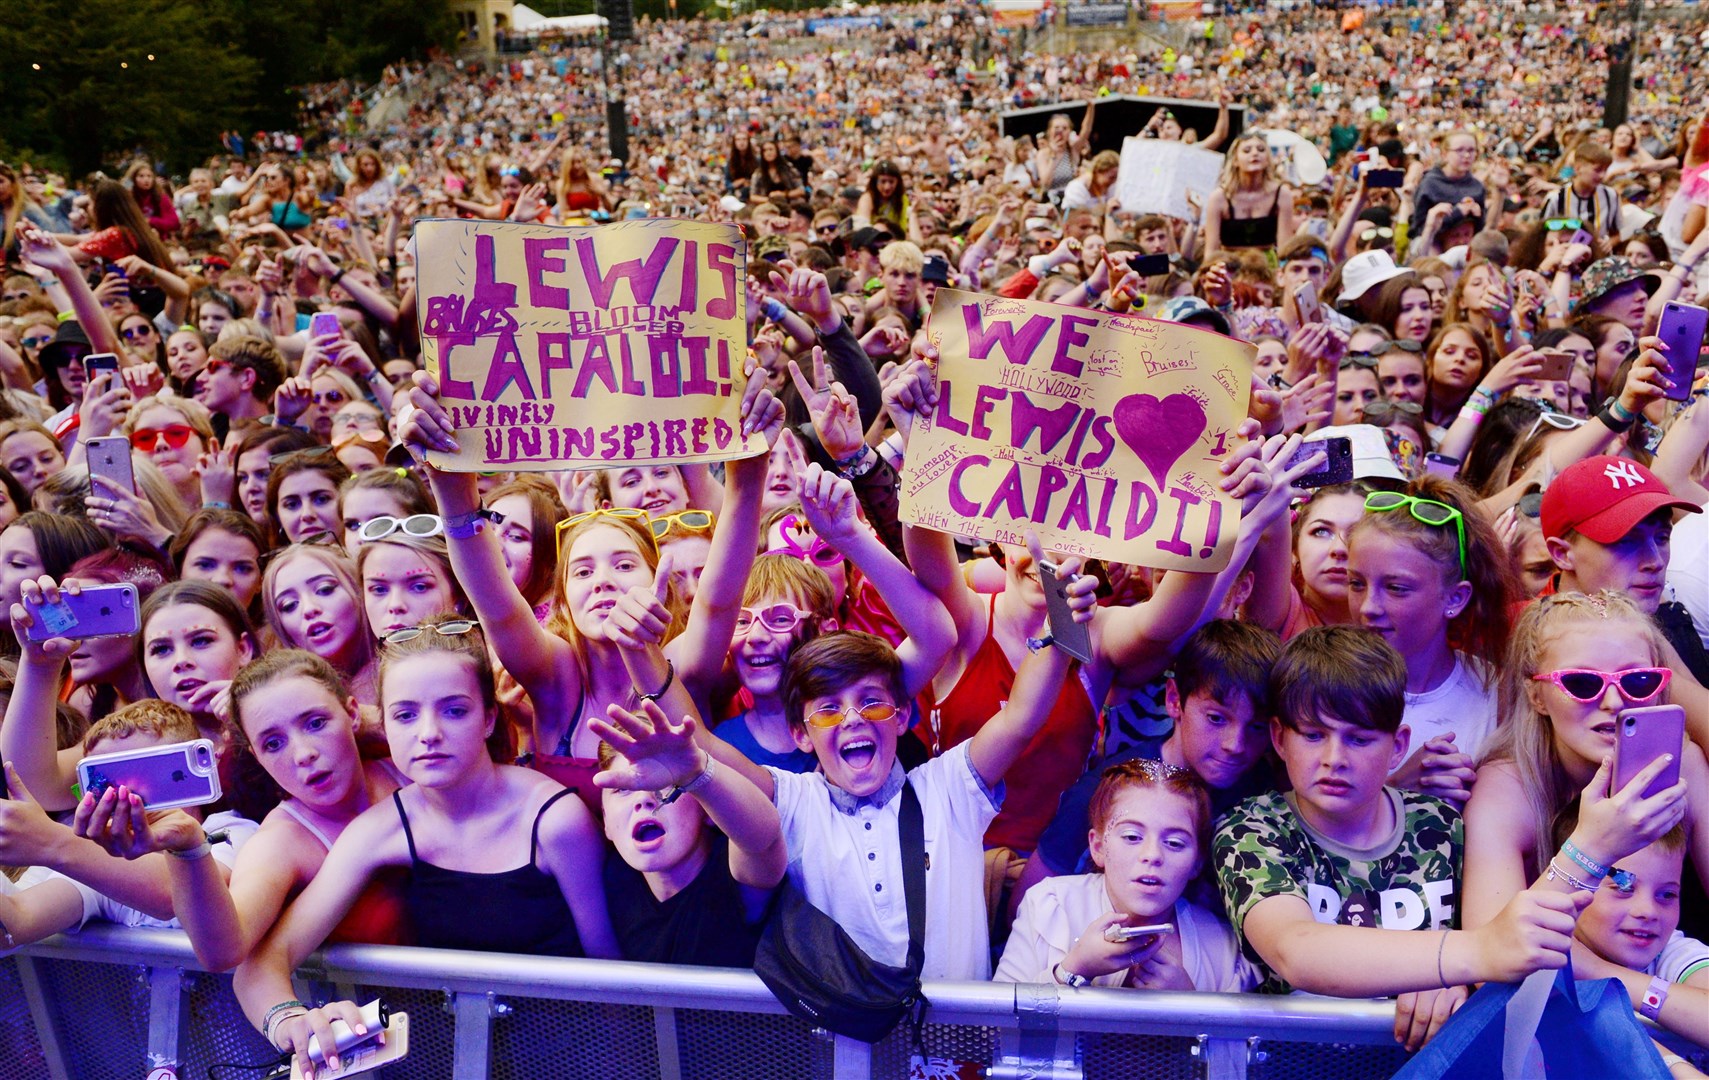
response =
{"points": [[1603, 497]]}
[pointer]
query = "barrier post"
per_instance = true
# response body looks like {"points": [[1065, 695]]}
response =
{"points": [[665, 1041], [851, 1059], [1036, 1046], [44, 1018], [472, 1045], [165, 1021], [1225, 1059]]}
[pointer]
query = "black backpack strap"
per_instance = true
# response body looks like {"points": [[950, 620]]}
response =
{"points": [[912, 829]]}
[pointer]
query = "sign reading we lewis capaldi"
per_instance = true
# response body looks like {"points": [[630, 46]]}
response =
{"points": [[1103, 433], [563, 348]]}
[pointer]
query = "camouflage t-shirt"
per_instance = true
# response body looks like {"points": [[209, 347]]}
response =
{"points": [[1409, 882]]}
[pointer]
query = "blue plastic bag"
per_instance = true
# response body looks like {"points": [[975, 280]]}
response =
{"points": [[1546, 1027]]}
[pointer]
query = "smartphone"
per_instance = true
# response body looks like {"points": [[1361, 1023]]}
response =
{"points": [[1582, 236], [1384, 178], [110, 459], [1681, 330], [167, 777], [365, 1055], [1073, 638], [1150, 265], [1442, 465], [1643, 735], [1308, 305], [95, 363], [322, 323], [1128, 933], [1338, 470], [97, 611], [1557, 366]]}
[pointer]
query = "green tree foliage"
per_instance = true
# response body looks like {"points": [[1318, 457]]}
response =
{"points": [[81, 90]]}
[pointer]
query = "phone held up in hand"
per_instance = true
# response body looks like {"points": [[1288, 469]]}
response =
{"points": [[1073, 638], [97, 611], [1682, 329], [165, 777], [1337, 470]]}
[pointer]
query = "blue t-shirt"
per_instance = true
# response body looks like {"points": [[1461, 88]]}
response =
{"points": [[735, 732]]}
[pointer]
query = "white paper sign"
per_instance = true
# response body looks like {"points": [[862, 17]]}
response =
{"points": [[1156, 174]]}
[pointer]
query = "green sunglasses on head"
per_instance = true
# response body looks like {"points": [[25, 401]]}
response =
{"points": [[1428, 511]]}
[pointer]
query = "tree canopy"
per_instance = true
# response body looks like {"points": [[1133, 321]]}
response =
{"points": [[88, 82]]}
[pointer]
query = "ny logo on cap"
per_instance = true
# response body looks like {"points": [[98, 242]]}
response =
{"points": [[1623, 473]]}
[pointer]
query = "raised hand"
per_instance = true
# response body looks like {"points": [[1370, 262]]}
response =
{"points": [[912, 393], [120, 823], [123, 512], [25, 829], [33, 593], [106, 401], [761, 411], [422, 424], [653, 753], [809, 293], [292, 399], [828, 502], [836, 415], [218, 473], [641, 618]]}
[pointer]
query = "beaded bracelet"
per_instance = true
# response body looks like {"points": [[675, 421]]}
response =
{"points": [[1555, 873]]}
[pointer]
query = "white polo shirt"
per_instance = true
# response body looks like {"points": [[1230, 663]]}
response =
{"points": [[845, 854]]}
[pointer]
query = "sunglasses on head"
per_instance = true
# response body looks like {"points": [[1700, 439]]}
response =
{"points": [[1379, 412], [1558, 421], [148, 440], [629, 513], [692, 522], [1585, 685], [1426, 511], [1557, 224], [1359, 359], [873, 712], [448, 628], [274, 460], [819, 553], [417, 525]]}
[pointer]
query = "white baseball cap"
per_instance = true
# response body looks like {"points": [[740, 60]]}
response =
{"points": [[1364, 270]]}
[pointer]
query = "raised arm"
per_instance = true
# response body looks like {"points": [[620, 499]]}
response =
{"points": [[829, 505], [1038, 683], [40, 249], [28, 738], [541, 662], [658, 754]]}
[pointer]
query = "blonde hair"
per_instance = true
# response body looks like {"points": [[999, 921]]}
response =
{"points": [[339, 565], [903, 255], [637, 530], [150, 716], [1526, 737], [1229, 180], [194, 413], [785, 575]]}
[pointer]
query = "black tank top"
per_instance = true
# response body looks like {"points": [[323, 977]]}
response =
{"points": [[514, 911], [1252, 232]]}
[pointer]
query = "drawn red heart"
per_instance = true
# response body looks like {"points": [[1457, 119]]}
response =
{"points": [[1159, 431]]}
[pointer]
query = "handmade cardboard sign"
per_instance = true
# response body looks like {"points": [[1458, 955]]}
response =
{"points": [[560, 348], [1101, 432]]}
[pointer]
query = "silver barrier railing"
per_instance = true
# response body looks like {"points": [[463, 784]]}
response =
{"points": [[119, 1002]]}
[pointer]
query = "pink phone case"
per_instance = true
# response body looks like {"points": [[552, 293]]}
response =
{"points": [[170, 776], [110, 459], [1641, 736], [322, 323], [96, 612]]}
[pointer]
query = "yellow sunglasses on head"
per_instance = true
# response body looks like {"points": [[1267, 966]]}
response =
{"points": [[626, 513]]}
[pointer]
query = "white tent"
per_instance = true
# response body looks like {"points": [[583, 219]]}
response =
{"points": [[526, 20]]}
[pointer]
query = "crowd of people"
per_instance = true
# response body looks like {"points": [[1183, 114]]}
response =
{"points": [[614, 711]]}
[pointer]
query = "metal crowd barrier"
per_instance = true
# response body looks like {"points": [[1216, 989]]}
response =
{"points": [[117, 1003]]}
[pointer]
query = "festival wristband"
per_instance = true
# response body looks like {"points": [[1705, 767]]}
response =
{"points": [[1653, 1000], [1577, 855]]}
